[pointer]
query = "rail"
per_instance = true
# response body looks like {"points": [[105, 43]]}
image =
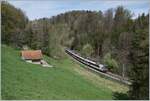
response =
{"points": [[94, 68]]}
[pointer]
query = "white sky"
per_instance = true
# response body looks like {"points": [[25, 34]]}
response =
{"points": [[47, 8]]}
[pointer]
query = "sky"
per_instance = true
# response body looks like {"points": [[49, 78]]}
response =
{"points": [[48, 8]]}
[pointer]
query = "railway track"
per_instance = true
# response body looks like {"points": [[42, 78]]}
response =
{"points": [[94, 68]]}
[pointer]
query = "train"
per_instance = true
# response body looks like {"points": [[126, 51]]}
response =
{"points": [[99, 67]]}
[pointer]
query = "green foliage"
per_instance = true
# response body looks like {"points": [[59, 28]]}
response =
{"points": [[139, 59], [87, 50], [13, 24], [110, 62], [58, 37], [121, 20]]}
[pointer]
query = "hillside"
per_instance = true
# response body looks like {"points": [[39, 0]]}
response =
{"points": [[67, 80], [111, 37]]}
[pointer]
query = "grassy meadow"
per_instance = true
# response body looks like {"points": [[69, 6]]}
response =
{"points": [[66, 80]]}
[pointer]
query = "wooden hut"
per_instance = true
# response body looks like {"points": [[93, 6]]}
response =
{"points": [[34, 56]]}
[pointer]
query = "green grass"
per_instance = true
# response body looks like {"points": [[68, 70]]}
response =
{"points": [[67, 80]]}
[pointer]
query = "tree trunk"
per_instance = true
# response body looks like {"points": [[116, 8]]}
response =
{"points": [[123, 70]]}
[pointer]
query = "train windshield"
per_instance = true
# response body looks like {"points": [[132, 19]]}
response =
{"points": [[104, 67]]}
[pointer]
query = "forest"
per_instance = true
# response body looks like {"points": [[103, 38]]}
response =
{"points": [[111, 37]]}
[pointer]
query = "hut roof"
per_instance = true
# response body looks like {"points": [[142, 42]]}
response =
{"points": [[31, 54]]}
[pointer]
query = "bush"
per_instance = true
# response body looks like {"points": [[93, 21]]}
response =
{"points": [[87, 50], [110, 62]]}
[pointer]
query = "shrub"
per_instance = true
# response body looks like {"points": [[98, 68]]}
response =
{"points": [[87, 50], [110, 62]]}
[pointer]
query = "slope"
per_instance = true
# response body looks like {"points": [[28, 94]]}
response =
{"points": [[67, 80]]}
